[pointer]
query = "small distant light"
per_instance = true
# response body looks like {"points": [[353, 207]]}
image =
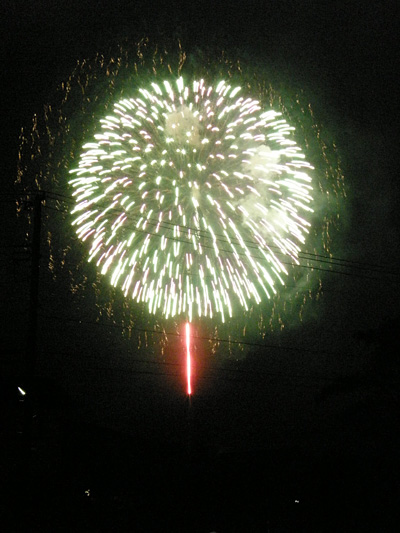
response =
{"points": [[87, 492], [296, 501], [21, 391]]}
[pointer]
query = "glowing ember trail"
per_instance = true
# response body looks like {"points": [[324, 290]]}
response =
{"points": [[188, 359]]}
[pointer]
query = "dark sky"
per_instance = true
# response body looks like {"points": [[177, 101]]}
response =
{"points": [[345, 56], [345, 51]]}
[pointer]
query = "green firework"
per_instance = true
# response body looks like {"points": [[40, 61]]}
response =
{"points": [[193, 198]]}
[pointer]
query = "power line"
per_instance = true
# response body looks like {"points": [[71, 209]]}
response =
{"points": [[303, 255], [60, 274], [214, 371], [294, 265], [195, 337], [310, 256]]}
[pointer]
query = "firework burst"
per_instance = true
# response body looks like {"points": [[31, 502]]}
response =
{"points": [[193, 198], [52, 145]]}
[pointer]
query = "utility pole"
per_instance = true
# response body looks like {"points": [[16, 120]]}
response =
{"points": [[31, 340], [31, 353]]}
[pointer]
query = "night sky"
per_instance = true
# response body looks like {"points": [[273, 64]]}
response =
{"points": [[306, 414]]}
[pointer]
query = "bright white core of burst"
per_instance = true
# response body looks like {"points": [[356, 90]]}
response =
{"points": [[193, 199]]}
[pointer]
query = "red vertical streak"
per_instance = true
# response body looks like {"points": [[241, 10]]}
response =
{"points": [[188, 360]]}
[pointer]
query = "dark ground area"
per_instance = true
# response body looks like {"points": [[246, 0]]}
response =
{"points": [[78, 476]]}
